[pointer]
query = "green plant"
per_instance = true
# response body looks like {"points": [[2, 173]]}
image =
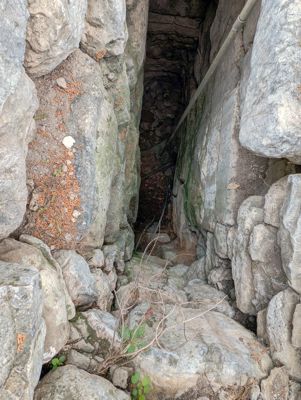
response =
{"points": [[57, 362], [140, 386], [133, 338]]}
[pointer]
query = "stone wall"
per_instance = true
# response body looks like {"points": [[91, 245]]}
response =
{"points": [[71, 83], [237, 183]]}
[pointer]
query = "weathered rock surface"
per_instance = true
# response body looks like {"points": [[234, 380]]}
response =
{"points": [[276, 385], [149, 279], [57, 306], [271, 117], [206, 297], [16, 130], [105, 32], [22, 330], [93, 334], [80, 282], [52, 33], [71, 187], [279, 329], [289, 232], [14, 17], [256, 256], [274, 200], [211, 350], [73, 383]]}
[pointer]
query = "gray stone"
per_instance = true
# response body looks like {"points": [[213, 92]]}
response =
{"points": [[52, 33], [55, 312], [14, 17], [120, 376], [16, 129], [276, 386], [289, 232], [271, 117], [279, 328], [208, 349], [22, 330], [296, 332], [274, 200], [94, 333], [257, 270], [73, 383], [95, 258], [206, 297], [104, 288], [221, 240], [197, 270], [105, 32], [80, 282]]}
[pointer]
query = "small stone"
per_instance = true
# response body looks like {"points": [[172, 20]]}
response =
{"points": [[68, 142], [61, 82], [68, 162], [120, 376], [76, 213], [64, 168]]}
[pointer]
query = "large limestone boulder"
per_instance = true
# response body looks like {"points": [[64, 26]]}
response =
{"points": [[52, 33], [71, 160], [57, 306], [199, 351], [289, 232], [256, 263], [80, 282], [16, 130], [271, 117], [22, 330], [14, 17], [105, 32], [280, 315], [73, 383]]}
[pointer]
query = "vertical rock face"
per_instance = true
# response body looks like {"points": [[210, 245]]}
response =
{"points": [[22, 330], [69, 188], [52, 33], [271, 117], [18, 103]]}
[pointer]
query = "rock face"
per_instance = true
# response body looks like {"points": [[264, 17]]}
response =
{"points": [[16, 130], [200, 355], [279, 320], [79, 280], [52, 33], [22, 330], [289, 232], [276, 132], [105, 33], [75, 384], [55, 296], [256, 256]]}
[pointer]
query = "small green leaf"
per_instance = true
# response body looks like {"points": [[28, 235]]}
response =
{"points": [[131, 348], [135, 392], [135, 378], [126, 333], [62, 359], [145, 381], [141, 397], [140, 332]]}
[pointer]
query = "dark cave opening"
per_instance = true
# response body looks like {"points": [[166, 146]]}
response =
{"points": [[177, 55]]}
